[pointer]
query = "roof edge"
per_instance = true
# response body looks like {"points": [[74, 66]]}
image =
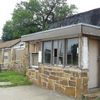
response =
{"points": [[81, 25]]}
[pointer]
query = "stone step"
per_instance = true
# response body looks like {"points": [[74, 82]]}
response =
{"points": [[94, 94], [90, 97]]}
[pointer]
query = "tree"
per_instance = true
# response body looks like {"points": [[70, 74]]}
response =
{"points": [[7, 31], [55, 10], [35, 15]]}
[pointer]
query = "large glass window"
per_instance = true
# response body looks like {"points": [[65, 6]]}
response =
{"points": [[61, 52], [47, 52], [55, 51], [72, 51], [58, 52]]}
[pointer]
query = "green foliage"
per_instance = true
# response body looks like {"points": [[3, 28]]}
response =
{"points": [[35, 15], [14, 78], [8, 30]]}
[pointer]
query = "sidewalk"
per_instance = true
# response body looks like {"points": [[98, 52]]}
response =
{"points": [[30, 93]]}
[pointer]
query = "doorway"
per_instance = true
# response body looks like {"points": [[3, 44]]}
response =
{"points": [[93, 64], [99, 63]]}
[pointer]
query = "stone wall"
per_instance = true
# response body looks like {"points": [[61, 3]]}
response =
{"points": [[16, 60], [19, 61], [69, 81], [6, 58], [34, 47]]}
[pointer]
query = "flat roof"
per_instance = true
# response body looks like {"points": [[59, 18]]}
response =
{"points": [[62, 32]]}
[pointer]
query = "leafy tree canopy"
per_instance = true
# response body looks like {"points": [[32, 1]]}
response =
{"points": [[35, 15]]}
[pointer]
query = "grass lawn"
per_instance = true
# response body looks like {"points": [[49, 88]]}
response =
{"points": [[14, 77]]}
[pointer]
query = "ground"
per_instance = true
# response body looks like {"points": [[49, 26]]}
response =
{"points": [[30, 93], [11, 78]]}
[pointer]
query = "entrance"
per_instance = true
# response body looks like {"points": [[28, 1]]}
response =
{"points": [[93, 64], [99, 65]]}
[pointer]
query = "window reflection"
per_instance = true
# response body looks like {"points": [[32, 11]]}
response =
{"points": [[61, 52], [55, 51], [72, 54], [47, 52], [58, 51]]}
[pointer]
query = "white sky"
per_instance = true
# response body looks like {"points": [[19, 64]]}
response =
{"points": [[7, 6]]}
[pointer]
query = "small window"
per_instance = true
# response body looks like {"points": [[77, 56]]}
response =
{"points": [[35, 59], [72, 51], [47, 52]]}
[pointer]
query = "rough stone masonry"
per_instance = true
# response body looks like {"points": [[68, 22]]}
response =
{"points": [[71, 81]]}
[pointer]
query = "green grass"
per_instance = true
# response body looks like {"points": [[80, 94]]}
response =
{"points": [[14, 77]]}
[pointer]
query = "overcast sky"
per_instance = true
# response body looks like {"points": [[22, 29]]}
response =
{"points": [[7, 6]]}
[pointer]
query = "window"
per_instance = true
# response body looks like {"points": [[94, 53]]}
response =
{"points": [[58, 52], [72, 51], [55, 52], [35, 59], [47, 52], [61, 52]]}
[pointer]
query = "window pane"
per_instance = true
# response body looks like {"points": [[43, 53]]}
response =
{"points": [[47, 51], [72, 55], [35, 59], [61, 52], [55, 51]]}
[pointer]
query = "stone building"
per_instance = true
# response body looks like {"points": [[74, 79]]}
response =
{"points": [[65, 59], [12, 55]]}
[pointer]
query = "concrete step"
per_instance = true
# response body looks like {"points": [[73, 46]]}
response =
{"points": [[93, 94], [91, 97]]}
